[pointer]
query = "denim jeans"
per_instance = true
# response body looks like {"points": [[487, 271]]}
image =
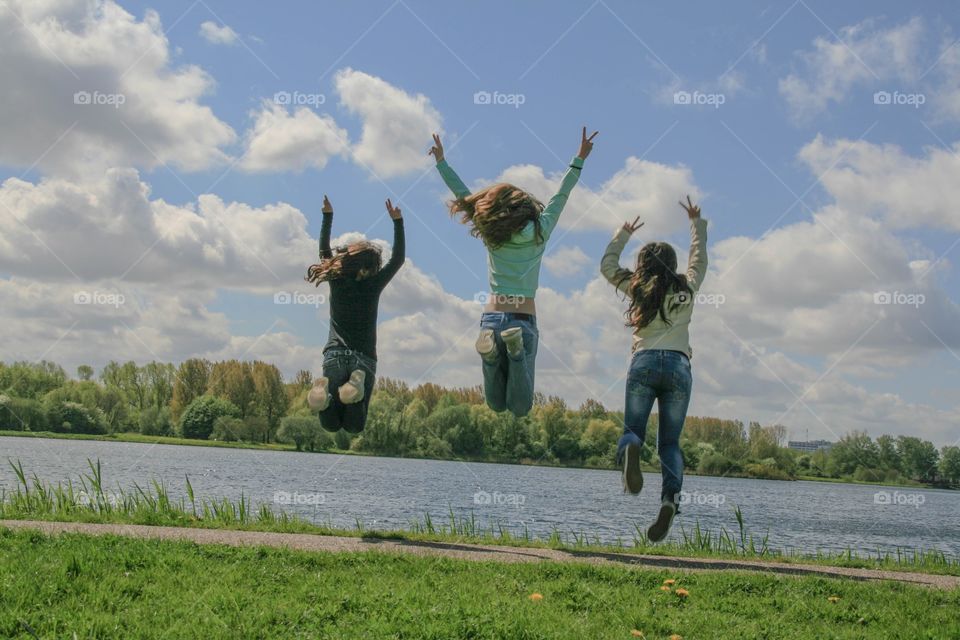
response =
{"points": [[508, 382], [664, 376], [338, 364]]}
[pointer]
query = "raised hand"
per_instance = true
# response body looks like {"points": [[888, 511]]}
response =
{"points": [[586, 144], [327, 207], [693, 211], [437, 149], [393, 211], [630, 227]]}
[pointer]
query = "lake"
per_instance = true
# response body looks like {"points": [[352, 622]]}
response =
{"points": [[390, 493]]}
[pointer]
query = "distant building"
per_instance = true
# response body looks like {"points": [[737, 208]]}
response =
{"points": [[810, 445]]}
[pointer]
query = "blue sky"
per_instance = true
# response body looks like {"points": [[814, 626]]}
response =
{"points": [[798, 146]]}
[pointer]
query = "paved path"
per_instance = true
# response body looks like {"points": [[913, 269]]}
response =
{"points": [[497, 553]]}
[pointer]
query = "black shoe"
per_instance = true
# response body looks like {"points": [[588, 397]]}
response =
{"points": [[661, 526], [632, 476]]}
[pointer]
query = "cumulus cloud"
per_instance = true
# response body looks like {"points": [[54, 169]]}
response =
{"points": [[566, 261], [395, 123], [96, 88], [218, 34], [284, 141]]}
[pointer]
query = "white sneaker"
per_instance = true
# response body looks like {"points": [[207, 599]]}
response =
{"points": [[513, 339], [661, 526], [319, 397], [486, 344], [351, 391]]}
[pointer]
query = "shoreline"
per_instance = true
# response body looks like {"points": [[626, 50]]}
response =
{"points": [[137, 438]]}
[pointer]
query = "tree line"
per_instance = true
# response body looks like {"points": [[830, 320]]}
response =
{"points": [[249, 401]]}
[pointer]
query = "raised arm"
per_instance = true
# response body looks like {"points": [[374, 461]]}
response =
{"points": [[697, 262], [450, 177], [551, 213], [610, 263], [325, 228], [398, 255]]}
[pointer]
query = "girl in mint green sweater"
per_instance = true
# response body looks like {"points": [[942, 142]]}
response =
{"points": [[515, 227]]}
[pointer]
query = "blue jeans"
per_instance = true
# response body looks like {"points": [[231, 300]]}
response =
{"points": [[508, 382], [664, 376], [338, 364]]}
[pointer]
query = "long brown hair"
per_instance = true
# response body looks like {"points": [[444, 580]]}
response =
{"points": [[351, 262], [654, 279], [497, 213]]}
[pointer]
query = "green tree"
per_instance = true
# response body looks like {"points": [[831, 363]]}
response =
{"points": [[300, 430], [198, 418], [855, 449], [919, 457], [189, 384], [85, 372], [270, 397], [950, 464]]}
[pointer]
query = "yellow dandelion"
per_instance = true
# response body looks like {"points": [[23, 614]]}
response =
{"points": [[536, 597], [669, 582], [834, 598], [664, 588], [683, 593]]}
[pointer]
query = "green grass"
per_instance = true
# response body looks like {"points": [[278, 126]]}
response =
{"points": [[87, 500], [75, 586]]}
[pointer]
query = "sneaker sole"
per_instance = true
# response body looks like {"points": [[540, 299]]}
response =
{"points": [[632, 476], [513, 340], [486, 344], [318, 406], [661, 527]]}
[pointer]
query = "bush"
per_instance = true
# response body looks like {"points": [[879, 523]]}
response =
{"points": [[21, 414], [73, 417], [228, 429], [304, 433], [155, 422], [198, 418], [765, 471], [716, 464]]}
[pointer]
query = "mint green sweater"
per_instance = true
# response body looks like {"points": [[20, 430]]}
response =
{"points": [[514, 268]]}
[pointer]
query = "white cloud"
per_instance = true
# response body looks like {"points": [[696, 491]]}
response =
{"points": [[566, 261], [96, 88], [218, 34], [281, 141], [396, 124]]}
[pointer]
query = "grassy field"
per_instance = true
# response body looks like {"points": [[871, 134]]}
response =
{"points": [[87, 501], [74, 586]]}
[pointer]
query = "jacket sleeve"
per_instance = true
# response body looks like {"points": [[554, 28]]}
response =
{"points": [[325, 236], [697, 263], [551, 213], [610, 263], [452, 180], [397, 256]]}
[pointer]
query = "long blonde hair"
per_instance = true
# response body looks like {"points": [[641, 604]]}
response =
{"points": [[497, 213]]}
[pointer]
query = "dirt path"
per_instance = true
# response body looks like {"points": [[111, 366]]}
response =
{"points": [[476, 552]]}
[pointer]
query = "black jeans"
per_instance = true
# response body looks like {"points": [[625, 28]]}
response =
{"points": [[338, 364]]}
